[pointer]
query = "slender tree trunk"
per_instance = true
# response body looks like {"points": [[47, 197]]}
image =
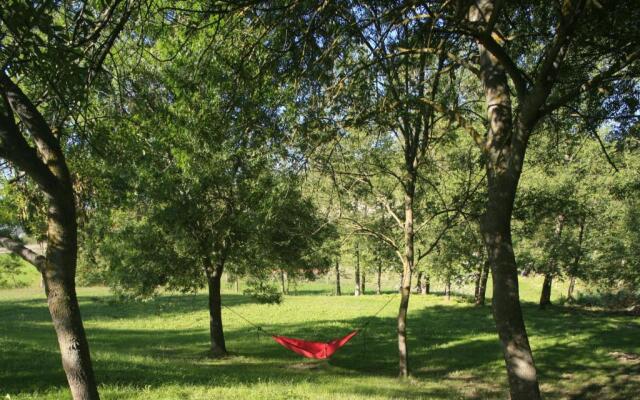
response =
{"points": [[426, 285], [447, 288], [237, 284], [576, 261], [545, 295], [338, 290], [283, 282], [572, 286], [214, 275], [379, 279], [405, 289], [357, 272], [476, 290], [418, 282], [363, 282], [482, 288]]}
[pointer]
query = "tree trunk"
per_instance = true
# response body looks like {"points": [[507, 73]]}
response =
{"points": [[419, 282], [504, 152], [59, 281], [338, 290], [363, 282], [447, 289], [379, 279], [476, 289], [545, 295], [46, 165], [283, 282], [576, 261], [214, 273], [426, 285], [572, 285], [405, 289], [357, 272], [482, 288]]}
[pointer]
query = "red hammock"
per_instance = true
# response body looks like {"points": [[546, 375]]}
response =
{"points": [[320, 350]]}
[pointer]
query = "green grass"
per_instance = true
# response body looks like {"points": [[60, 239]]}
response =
{"points": [[27, 275], [156, 349]]}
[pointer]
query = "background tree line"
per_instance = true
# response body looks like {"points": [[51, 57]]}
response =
{"points": [[167, 143]]}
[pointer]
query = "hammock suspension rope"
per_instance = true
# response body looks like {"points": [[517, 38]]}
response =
{"points": [[311, 349]]}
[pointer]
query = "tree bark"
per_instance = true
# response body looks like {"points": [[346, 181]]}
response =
{"points": [[482, 288], [426, 285], [46, 165], [338, 290], [283, 282], [214, 275], [576, 261], [572, 285], [545, 295], [59, 281], [379, 279], [407, 268], [476, 289], [418, 282], [447, 288], [357, 272], [504, 152]]}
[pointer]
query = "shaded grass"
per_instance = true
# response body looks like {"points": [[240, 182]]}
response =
{"points": [[157, 349]]}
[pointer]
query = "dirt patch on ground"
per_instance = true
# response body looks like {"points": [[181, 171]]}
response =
{"points": [[626, 358]]}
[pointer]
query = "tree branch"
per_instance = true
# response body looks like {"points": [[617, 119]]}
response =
{"points": [[19, 249]]}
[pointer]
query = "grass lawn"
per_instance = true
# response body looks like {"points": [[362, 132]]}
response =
{"points": [[156, 349]]}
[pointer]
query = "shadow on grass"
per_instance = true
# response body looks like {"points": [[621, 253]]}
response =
{"points": [[446, 342]]}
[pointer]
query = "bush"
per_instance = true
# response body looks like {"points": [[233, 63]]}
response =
{"points": [[619, 299], [10, 270], [263, 292]]}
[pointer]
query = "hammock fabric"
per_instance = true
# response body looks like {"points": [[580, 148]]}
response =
{"points": [[319, 350]]}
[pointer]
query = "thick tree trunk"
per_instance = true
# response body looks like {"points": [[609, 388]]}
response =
{"points": [[482, 288], [504, 150], [356, 274], [379, 279], [214, 274], [46, 165], [59, 280], [545, 294], [338, 290]]}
